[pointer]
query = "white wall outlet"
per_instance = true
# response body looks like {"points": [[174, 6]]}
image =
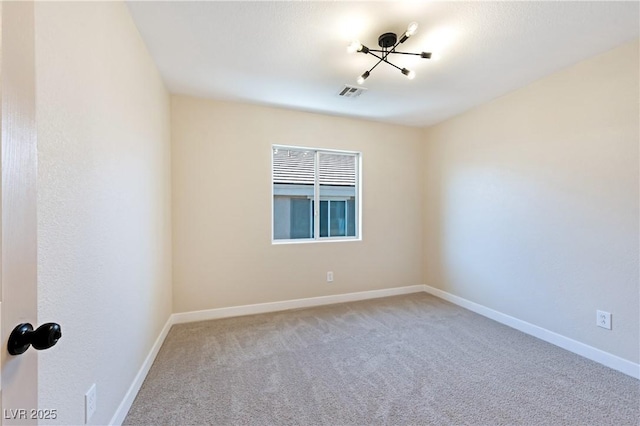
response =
{"points": [[329, 277], [90, 403], [603, 319]]}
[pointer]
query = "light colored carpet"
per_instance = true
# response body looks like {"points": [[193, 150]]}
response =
{"points": [[412, 359]]}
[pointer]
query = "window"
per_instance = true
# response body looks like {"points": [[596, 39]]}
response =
{"points": [[316, 194]]}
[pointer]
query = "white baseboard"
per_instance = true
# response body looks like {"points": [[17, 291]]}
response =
{"points": [[589, 352], [605, 358], [261, 308], [184, 317], [131, 394]]}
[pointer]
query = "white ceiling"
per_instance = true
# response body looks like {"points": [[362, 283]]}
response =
{"points": [[293, 54]]}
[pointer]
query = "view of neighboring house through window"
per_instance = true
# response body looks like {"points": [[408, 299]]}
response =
{"points": [[315, 194]]}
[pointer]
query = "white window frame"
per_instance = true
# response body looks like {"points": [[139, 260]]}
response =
{"points": [[316, 191]]}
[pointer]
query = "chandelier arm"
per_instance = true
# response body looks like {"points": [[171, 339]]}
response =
{"points": [[373, 54], [387, 53], [377, 63], [383, 59], [408, 53], [400, 53], [393, 65], [393, 49]]}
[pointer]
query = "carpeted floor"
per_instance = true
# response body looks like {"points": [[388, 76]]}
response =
{"points": [[412, 360]]}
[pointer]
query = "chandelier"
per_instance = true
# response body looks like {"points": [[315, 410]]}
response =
{"points": [[388, 43]]}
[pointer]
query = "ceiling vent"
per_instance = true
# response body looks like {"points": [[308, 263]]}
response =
{"points": [[351, 91]]}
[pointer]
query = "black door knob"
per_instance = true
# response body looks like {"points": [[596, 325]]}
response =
{"points": [[24, 336]]}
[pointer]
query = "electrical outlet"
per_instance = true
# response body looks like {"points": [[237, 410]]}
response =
{"points": [[90, 403], [329, 277], [603, 319]]}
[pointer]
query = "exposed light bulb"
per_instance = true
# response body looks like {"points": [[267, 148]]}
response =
{"points": [[412, 29], [363, 77], [355, 46], [410, 74]]}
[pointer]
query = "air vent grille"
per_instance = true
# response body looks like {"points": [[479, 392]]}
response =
{"points": [[351, 91]]}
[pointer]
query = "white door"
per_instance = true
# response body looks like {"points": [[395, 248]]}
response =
{"points": [[18, 167]]}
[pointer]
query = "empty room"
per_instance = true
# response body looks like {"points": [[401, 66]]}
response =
{"points": [[320, 213]]}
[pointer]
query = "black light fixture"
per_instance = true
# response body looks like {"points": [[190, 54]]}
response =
{"points": [[388, 42]]}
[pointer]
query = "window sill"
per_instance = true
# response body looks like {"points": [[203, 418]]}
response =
{"points": [[309, 241]]}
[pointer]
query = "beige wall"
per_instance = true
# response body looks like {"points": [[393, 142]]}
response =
{"points": [[531, 202], [103, 204], [527, 205], [221, 168]]}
